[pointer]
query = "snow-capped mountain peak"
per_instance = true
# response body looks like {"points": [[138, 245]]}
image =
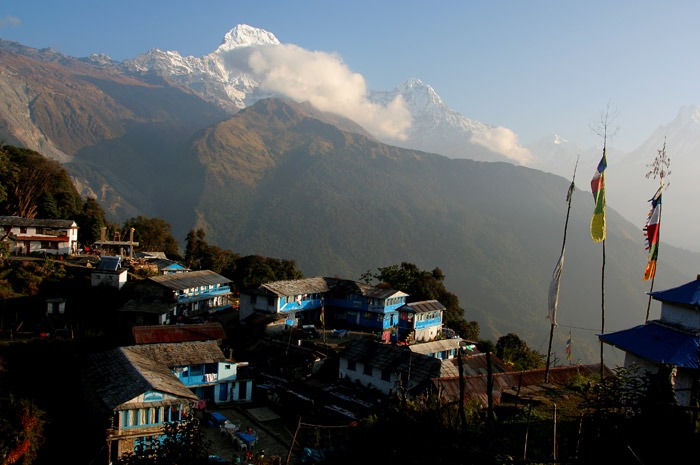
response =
{"points": [[559, 140], [245, 36]]}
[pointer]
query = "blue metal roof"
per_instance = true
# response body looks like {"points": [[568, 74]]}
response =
{"points": [[688, 294], [658, 343]]}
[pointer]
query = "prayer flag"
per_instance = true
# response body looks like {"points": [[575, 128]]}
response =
{"points": [[598, 189], [568, 347], [651, 229], [553, 297]]}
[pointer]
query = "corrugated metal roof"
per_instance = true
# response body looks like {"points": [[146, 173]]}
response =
{"points": [[154, 334], [687, 294], [659, 343], [32, 222], [181, 354], [525, 383], [190, 279], [433, 347], [423, 306]]}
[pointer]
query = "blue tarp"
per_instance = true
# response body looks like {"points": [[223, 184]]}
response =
{"points": [[658, 343]]}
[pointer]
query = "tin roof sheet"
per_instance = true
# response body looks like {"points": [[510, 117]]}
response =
{"points": [[659, 343]]}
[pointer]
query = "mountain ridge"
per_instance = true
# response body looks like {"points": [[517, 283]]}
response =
{"points": [[282, 179]]}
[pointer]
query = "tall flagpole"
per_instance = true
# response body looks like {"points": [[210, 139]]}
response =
{"points": [[660, 168], [556, 278], [598, 228]]}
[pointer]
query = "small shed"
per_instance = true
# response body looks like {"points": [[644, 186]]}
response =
{"points": [[109, 272]]}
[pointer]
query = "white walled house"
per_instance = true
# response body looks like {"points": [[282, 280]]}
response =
{"points": [[29, 235], [387, 367], [672, 341]]}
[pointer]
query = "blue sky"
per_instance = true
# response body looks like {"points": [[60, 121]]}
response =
{"points": [[535, 67]]}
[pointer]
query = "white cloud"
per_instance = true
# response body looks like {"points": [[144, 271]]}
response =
{"points": [[323, 80], [9, 21], [504, 141]]}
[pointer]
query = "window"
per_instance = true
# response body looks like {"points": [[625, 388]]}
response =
{"points": [[352, 365], [253, 299], [196, 370], [386, 375], [367, 369]]}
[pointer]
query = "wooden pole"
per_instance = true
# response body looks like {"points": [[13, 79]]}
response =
{"points": [[554, 286], [602, 315], [554, 438], [294, 440]]}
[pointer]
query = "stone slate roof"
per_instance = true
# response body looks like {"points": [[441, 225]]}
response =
{"points": [[181, 354], [392, 357], [323, 285], [191, 279], [119, 375], [17, 221], [368, 290], [154, 334], [296, 286]]}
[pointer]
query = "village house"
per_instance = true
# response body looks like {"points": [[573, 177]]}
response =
{"points": [[388, 368], [109, 272], [158, 263], [177, 297], [670, 342], [139, 388], [420, 321], [34, 235], [338, 303]]}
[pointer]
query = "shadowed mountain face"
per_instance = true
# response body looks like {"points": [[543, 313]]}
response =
{"points": [[283, 180], [285, 184]]}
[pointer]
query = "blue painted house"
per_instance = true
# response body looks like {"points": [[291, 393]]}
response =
{"points": [[371, 308], [172, 298], [137, 389], [420, 321], [673, 341], [330, 301], [298, 301]]}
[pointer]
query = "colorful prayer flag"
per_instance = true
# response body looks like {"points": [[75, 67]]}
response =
{"points": [[568, 347], [651, 229], [598, 189]]}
